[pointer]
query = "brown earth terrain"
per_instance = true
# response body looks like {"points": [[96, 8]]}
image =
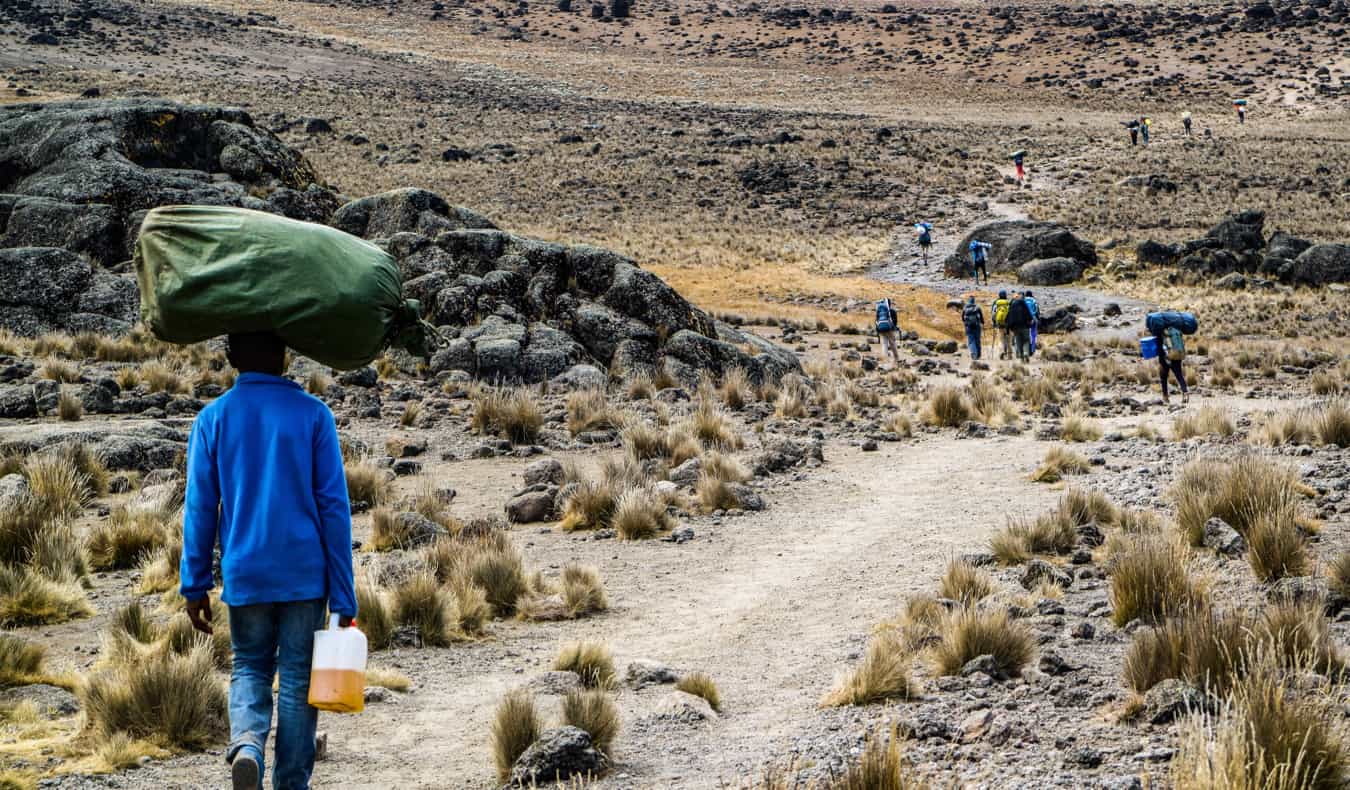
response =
{"points": [[766, 159]]}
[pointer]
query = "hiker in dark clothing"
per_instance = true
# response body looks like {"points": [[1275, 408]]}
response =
{"points": [[1186, 122], [1019, 326], [1170, 354], [979, 259], [1132, 126], [973, 319]]}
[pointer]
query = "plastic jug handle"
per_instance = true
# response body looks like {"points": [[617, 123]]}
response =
{"points": [[333, 622]]}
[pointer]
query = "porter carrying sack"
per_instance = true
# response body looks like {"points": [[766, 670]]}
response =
{"points": [[206, 271]]}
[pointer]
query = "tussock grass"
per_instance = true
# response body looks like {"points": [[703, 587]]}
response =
{"points": [[472, 608], [590, 505], [492, 564], [1205, 421], [640, 387], [1205, 648], [60, 371], [367, 483], [682, 446], [881, 766], [582, 590], [592, 710], [27, 597], [87, 463], [127, 537], [790, 404], [735, 389], [1297, 635], [119, 753], [1059, 462], [373, 617], [724, 467], [1332, 423], [899, 424], [990, 403], [419, 601], [589, 410], [1267, 736], [948, 407], [166, 698], [590, 660], [970, 633], [59, 490], [1077, 428], [390, 679], [20, 661], [510, 414], [180, 637], [1289, 427], [644, 441], [712, 428], [160, 377], [1055, 532], [159, 570], [1338, 575], [884, 674], [640, 513], [133, 621], [1152, 579], [965, 582], [1237, 492], [701, 684], [1275, 546], [714, 494], [515, 726], [68, 407], [318, 382], [411, 412]]}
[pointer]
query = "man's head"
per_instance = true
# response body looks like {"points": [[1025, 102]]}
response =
{"points": [[970, 299], [257, 352], [1003, 294], [1028, 294]]}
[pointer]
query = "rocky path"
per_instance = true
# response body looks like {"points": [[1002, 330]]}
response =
{"points": [[773, 605]]}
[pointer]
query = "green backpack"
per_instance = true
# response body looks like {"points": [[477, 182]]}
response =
{"points": [[206, 271], [1176, 348]]}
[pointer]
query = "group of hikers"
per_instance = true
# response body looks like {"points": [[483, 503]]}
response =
{"points": [[1141, 128], [1016, 318]]}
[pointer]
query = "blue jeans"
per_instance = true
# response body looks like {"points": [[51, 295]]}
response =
{"points": [[269, 638], [973, 342]]}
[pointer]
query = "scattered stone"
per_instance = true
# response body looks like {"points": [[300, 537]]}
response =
{"points": [[646, 672], [1170, 699], [687, 708], [1222, 538], [558, 755], [1037, 571]]}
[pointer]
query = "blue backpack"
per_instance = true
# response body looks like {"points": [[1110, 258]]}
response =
{"points": [[884, 320], [1158, 323]]}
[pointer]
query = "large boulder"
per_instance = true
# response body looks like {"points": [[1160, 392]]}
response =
{"points": [[1049, 271], [1241, 232], [49, 288], [93, 230], [1321, 264], [406, 210], [557, 756], [1016, 242]]}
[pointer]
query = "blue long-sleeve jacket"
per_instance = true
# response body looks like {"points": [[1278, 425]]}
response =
{"points": [[265, 475]]}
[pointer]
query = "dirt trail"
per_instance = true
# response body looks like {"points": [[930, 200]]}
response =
{"points": [[773, 605]]}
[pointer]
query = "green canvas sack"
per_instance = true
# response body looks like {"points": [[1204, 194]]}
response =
{"points": [[206, 271]]}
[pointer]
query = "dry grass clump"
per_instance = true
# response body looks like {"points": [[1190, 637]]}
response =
{"points": [[179, 637], [640, 513], [68, 407], [735, 389], [1036, 392], [899, 424], [883, 675], [712, 428], [389, 532], [318, 382], [494, 565], [60, 371], [169, 699], [1332, 423], [582, 590], [58, 489], [420, 601], [644, 441], [640, 387], [1055, 532], [881, 766], [159, 569], [714, 494], [1152, 579], [1237, 492], [367, 483], [373, 617], [515, 726], [590, 660], [1267, 736], [970, 633], [1060, 461], [20, 661], [701, 684], [1205, 421], [591, 504], [1297, 635], [948, 407], [1077, 428], [1205, 648], [592, 710], [792, 398], [128, 536], [1338, 575], [991, 405], [159, 377], [724, 467], [965, 582], [589, 410], [1289, 427], [28, 597], [1275, 546], [510, 414]]}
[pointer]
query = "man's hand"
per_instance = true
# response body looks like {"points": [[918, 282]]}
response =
{"points": [[344, 621], [199, 612]]}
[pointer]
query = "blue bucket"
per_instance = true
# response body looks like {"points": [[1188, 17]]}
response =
{"points": [[1148, 347]]}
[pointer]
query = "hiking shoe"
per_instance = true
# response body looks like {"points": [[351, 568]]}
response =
{"points": [[1185, 397], [244, 772]]}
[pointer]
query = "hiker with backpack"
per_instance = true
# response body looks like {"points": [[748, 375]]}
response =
{"points": [[924, 234], [1018, 157], [1018, 324], [1167, 329], [1035, 317], [972, 317], [1186, 122], [888, 330], [1132, 126], [1145, 127], [979, 259], [998, 311]]}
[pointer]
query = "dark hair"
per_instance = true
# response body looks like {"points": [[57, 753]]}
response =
{"points": [[256, 352], [1028, 293]]}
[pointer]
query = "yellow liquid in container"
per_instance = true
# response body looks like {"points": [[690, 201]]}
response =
{"points": [[337, 690]]}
